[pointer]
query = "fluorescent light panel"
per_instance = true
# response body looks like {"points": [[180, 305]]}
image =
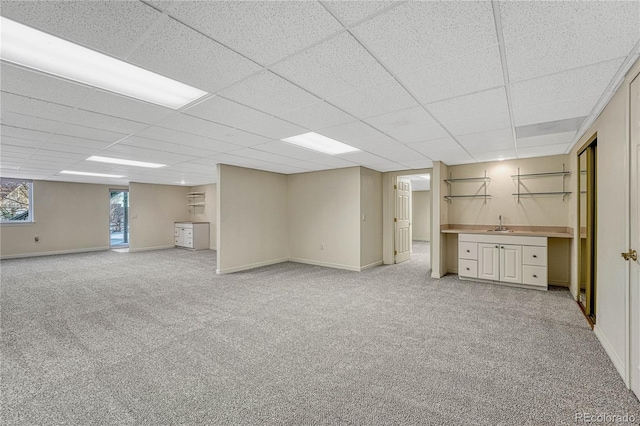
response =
{"points": [[34, 49], [71, 172], [320, 143], [124, 162]]}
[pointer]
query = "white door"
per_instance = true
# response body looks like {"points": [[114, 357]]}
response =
{"points": [[403, 220], [510, 263], [634, 204], [488, 262]]}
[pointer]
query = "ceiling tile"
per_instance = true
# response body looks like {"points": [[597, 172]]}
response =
{"points": [[143, 154], [543, 113], [388, 166], [396, 152], [576, 83], [181, 138], [540, 151], [504, 154], [105, 122], [28, 122], [445, 150], [288, 150], [268, 92], [110, 27], [548, 37], [336, 66], [123, 107], [12, 141], [317, 116], [89, 133], [33, 107], [232, 114], [409, 125], [423, 163], [552, 139], [415, 34], [475, 71], [39, 86], [487, 141], [358, 134], [475, 113], [208, 129], [74, 149], [364, 158], [19, 132], [77, 142], [382, 98], [263, 156], [170, 147], [264, 31], [351, 12], [183, 54]]}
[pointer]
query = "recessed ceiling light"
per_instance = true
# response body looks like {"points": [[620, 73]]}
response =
{"points": [[71, 172], [320, 143], [35, 49], [125, 162]]}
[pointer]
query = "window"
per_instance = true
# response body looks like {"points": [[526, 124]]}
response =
{"points": [[16, 200]]}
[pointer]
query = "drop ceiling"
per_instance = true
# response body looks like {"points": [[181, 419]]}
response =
{"points": [[408, 83]]}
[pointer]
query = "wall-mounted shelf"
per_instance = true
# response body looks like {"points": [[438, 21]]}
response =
{"points": [[484, 179], [564, 173], [195, 199]]}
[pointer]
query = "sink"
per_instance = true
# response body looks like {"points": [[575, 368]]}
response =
{"points": [[506, 231]]}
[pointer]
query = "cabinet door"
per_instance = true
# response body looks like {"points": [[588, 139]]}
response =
{"points": [[488, 261], [511, 263]]}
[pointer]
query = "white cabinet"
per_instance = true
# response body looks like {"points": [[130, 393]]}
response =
{"points": [[193, 235], [504, 259]]}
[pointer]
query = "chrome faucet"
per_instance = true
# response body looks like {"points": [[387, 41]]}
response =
{"points": [[500, 228]]}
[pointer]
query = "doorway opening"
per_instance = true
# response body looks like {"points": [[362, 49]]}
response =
{"points": [[412, 221], [587, 285], [119, 218]]}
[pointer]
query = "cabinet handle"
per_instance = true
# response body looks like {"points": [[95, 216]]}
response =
{"points": [[501, 247], [467, 251], [535, 255], [467, 269], [496, 246], [535, 276]]}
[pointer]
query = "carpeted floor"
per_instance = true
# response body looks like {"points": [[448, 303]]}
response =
{"points": [[157, 338]]}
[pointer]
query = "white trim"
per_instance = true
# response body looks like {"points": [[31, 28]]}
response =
{"points": [[150, 248], [212, 248], [251, 266], [326, 264], [422, 240], [615, 359], [371, 265], [436, 275], [53, 253]]}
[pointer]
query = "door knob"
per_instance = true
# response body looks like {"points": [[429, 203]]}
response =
{"points": [[631, 254]]}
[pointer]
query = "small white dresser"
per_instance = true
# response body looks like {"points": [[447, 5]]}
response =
{"points": [[192, 235]]}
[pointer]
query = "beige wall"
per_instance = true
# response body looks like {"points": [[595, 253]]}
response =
{"points": [[324, 210], [69, 217], [152, 213], [252, 218], [421, 215], [208, 212], [612, 179], [547, 210], [370, 217]]}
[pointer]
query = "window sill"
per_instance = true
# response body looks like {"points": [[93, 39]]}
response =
{"points": [[17, 223]]}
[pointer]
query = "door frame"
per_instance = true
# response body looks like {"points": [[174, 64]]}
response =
{"points": [[120, 189], [388, 210]]}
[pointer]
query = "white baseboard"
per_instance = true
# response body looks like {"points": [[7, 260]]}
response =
{"points": [[135, 250], [251, 266], [212, 248], [425, 240], [436, 275], [53, 253], [617, 362], [371, 265], [326, 264]]}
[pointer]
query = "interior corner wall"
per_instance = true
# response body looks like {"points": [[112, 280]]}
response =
{"points": [[252, 218], [208, 212], [612, 179], [440, 217], [69, 217], [370, 218], [421, 215], [324, 218], [153, 210]]}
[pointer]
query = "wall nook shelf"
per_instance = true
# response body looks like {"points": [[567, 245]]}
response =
{"points": [[564, 173], [195, 199], [483, 187]]}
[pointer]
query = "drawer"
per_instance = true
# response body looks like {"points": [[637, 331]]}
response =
{"points": [[184, 225], [534, 255], [176, 240], [468, 268], [176, 232], [534, 275], [467, 250], [188, 242]]}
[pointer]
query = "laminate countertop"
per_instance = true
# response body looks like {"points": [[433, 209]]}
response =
{"points": [[530, 231]]}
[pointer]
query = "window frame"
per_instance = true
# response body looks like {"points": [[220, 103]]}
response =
{"points": [[30, 219]]}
